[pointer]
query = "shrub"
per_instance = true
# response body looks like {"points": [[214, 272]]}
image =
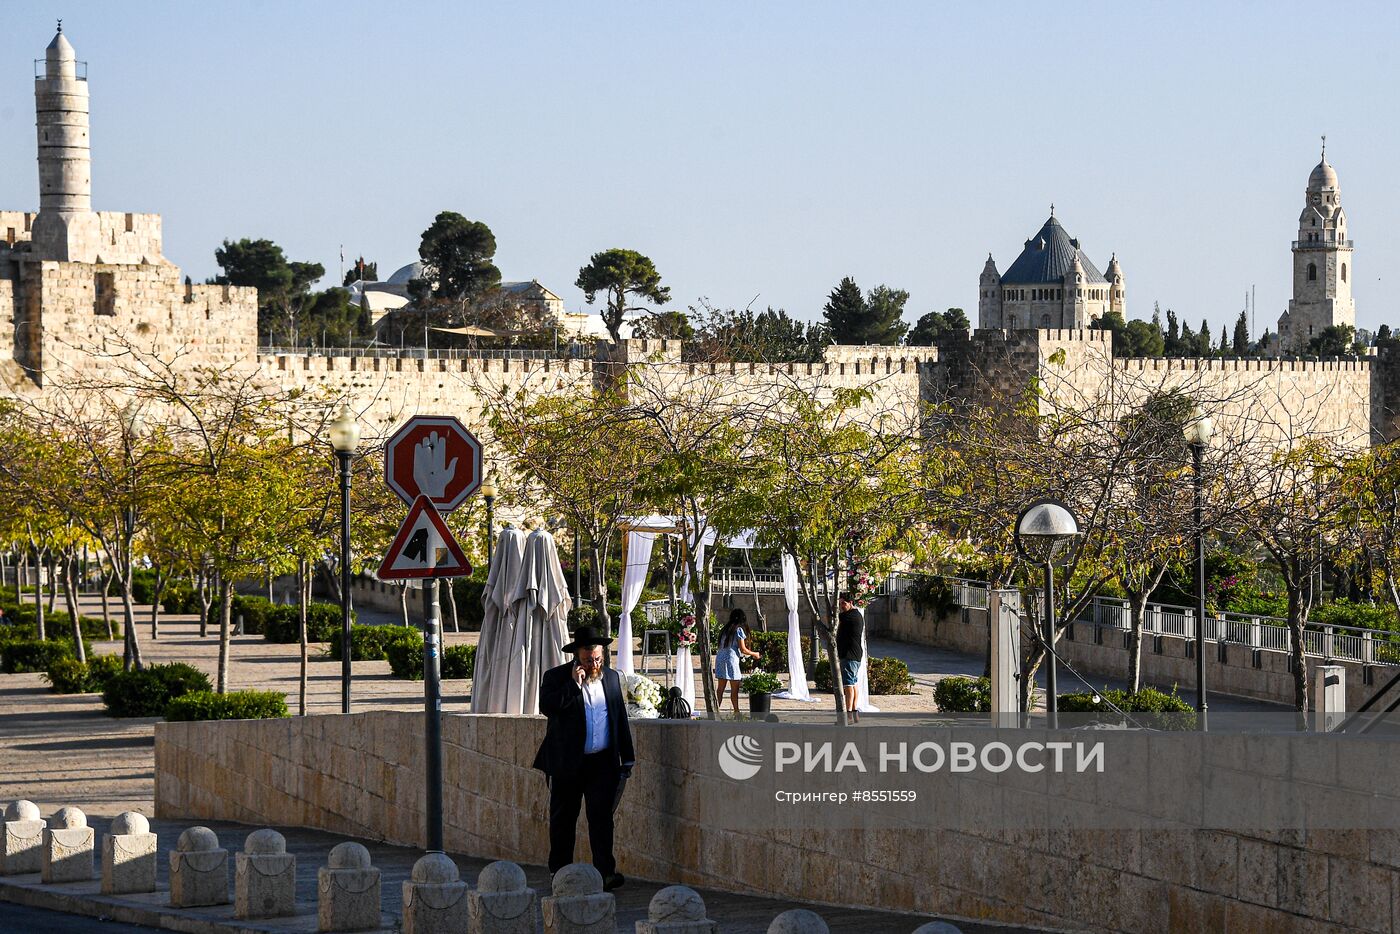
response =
{"points": [[237, 705], [467, 592], [180, 597], [367, 642], [772, 648], [147, 692], [405, 655], [963, 695], [1147, 700], [458, 661], [583, 615], [28, 655], [254, 611], [762, 682], [883, 676], [1249, 601], [931, 595], [1346, 613], [70, 676], [283, 623]]}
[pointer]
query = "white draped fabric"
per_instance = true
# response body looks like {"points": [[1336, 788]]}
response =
{"points": [[699, 548], [863, 704], [634, 576], [685, 676], [489, 688], [540, 607], [797, 669]]}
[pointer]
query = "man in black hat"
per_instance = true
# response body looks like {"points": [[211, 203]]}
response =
{"points": [[586, 755]]}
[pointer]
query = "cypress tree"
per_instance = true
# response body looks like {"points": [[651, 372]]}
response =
{"points": [[1203, 348], [1241, 345]]}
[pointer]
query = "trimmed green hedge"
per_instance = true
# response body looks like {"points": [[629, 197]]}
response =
{"points": [[367, 642], [70, 676], [254, 610], [405, 656], [34, 655], [885, 676], [236, 705], [773, 649], [147, 692], [57, 625], [283, 623], [963, 695], [1148, 700]]}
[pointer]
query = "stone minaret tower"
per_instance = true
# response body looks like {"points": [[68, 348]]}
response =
{"points": [[1322, 272], [989, 296], [66, 229], [1117, 291]]}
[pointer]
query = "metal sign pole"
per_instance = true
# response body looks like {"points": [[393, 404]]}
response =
{"points": [[432, 710]]}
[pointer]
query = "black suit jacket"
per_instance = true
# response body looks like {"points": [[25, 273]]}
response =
{"points": [[561, 701]]}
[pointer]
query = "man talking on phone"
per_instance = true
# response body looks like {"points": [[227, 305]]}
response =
{"points": [[586, 755]]}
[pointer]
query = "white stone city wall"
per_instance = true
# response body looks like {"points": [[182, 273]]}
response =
{"points": [[362, 775]]}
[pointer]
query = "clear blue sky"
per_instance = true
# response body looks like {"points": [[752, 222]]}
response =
{"points": [[751, 149]]}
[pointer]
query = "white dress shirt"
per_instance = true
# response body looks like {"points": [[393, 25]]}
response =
{"points": [[595, 716]]}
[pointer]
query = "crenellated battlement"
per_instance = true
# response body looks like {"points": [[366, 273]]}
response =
{"points": [[1245, 364]]}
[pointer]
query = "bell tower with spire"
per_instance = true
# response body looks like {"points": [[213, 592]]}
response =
{"points": [[1322, 270], [66, 228]]}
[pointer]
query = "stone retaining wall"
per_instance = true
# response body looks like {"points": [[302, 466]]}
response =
{"points": [[362, 775]]}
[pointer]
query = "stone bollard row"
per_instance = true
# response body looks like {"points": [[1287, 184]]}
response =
{"points": [[265, 877], [129, 856], [676, 909], [803, 921], [502, 903], [68, 848], [347, 890], [577, 903], [434, 897], [198, 870], [21, 839]]}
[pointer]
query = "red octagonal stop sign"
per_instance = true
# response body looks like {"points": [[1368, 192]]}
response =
{"points": [[433, 456]]}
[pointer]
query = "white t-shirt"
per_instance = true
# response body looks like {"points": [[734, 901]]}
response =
{"points": [[595, 716]]}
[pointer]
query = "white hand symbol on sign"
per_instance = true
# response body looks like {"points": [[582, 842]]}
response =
{"points": [[431, 469]]}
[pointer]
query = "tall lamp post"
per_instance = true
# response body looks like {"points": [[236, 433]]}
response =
{"points": [[344, 436], [488, 493], [133, 424], [1198, 432], [1045, 534]]}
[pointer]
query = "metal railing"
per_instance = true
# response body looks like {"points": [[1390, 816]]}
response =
{"points": [[1264, 633], [1321, 244]]}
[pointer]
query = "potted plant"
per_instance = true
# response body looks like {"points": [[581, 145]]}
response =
{"points": [[760, 686]]}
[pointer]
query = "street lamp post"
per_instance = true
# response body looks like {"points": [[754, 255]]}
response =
{"points": [[1198, 432], [344, 436], [488, 493], [1045, 532]]}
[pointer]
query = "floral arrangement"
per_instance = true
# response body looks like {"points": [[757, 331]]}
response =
{"points": [[642, 696], [686, 637], [860, 586], [762, 682]]}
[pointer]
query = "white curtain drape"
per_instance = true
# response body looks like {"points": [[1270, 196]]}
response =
{"points": [[489, 687], [685, 676], [540, 606], [797, 669], [634, 576], [863, 704], [697, 546]]}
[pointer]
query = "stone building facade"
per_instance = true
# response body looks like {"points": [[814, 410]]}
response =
{"points": [[1052, 284], [1322, 270]]}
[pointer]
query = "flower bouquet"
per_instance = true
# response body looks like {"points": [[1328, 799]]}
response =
{"points": [[642, 695], [686, 637], [860, 586]]}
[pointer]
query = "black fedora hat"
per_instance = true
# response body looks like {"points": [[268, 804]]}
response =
{"points": [[585, 636]]}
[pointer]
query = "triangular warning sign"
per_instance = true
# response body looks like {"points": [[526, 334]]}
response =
{"points": [[424, 547]]}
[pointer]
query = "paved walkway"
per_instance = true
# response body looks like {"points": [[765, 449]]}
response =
{"points": [[736, 914]]}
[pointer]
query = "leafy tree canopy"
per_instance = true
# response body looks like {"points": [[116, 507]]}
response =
{"points": [[617, 274]]}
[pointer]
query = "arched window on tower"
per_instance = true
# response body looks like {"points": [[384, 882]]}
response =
{"points": [[1045, 321], [1344, 272], [1312, 272]]}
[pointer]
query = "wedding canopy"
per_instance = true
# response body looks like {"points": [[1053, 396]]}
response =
{"points": [[538, 609], [489, 690]]}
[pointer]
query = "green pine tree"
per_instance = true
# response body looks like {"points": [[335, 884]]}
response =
{"points": [[1203, 347], [845, 312], [1241, 344]]}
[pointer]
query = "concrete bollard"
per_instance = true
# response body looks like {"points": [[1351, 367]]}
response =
{"points": [[578, 904], [198, 870], [347, 891], [21, 839], [129, 855], [798, 921], [938, 927], [68, 848], [502, 903], [676, 909], [264, 877], [1329, 697], [434, 898]]}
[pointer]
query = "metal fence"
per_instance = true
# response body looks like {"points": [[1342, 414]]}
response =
{"points": [[1264, 633]]}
